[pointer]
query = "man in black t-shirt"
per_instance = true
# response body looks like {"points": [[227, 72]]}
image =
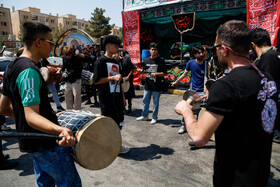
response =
{"points": [[73, 65], [155, 70], [241, 110], [25, 88], [175, 53], [107, 77], [268, 61]]}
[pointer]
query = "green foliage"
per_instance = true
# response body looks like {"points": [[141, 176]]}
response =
{"points": [[59, 30], [99, 24], [21, 24]]}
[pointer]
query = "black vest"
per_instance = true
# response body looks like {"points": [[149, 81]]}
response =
{"points": [[11, 90]]}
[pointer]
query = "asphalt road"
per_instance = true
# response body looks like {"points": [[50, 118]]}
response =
{"points": [[158, 155]]}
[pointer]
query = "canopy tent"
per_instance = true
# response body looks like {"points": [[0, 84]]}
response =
{"points": [[143, 26]]}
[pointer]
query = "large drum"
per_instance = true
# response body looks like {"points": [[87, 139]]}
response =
{"points": [[98, 138], [87, 77], [50, 74]]}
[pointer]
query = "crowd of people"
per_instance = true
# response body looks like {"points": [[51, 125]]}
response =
{"points": [[242, 103]]}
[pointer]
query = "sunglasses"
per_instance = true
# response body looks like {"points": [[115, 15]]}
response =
{"points": [[49, 41]]}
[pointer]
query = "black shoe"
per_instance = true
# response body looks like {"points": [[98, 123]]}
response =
{"points": [[6, 157], [60, 109], [191, 144], [129, 112], [4, 165], [88, 102], [96, 103]]}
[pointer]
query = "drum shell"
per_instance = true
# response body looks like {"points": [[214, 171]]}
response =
{"points": [[50, 74], [98, 139], [87, 77]]}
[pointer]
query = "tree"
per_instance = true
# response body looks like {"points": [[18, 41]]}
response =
{"points": [[58, 31], [21, 25], [99, 24]]}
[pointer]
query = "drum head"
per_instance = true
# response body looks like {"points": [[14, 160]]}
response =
{"points": [[99, 143], [45, 73], [125, 86]]}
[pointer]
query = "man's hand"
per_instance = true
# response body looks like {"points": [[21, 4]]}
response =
{"points": [[126, 78], [173, 84], [153, 74], [68, 140], [182, 107], [117, 77]]}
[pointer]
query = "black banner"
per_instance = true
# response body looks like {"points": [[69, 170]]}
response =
{"points": [[184, 22]]}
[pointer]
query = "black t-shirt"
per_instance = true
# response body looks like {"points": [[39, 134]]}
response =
{"points": [[244, 137], [175, 52], [110, 95], [74, 67], [11, 90], [88, 63], [126, 67], [270, 62], [153, 66]]}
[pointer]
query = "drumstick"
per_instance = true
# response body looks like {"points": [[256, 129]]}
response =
{"points": [[28, 135]]}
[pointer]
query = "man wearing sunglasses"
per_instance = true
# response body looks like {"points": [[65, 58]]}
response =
{"points": [[25, 88], [241, 110]]}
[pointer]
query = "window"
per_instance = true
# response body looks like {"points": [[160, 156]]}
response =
{"points": [[25, 17], [74, 23], [2, 13], [86, 25], [5, 33], [34, 18], [67, 23], [4, 24], [52, 20], [82, 24], [47, 20]]}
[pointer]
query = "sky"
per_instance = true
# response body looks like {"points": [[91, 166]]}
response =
{"points": [[80, 8]]}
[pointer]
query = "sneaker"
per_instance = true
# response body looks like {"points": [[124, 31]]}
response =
{"points": [[191, 144], [7, 164], [276, 134], [182, 129], [142, 118], [60, 109], [96, 103], [121, 124], [4, 127], [154, 121], [124, 150]]}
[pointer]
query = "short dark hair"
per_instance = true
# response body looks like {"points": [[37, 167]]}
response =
{"points": [[153, 45], [111, 39], [33, 30], [236, 35], [260, 37], [196, 49]]}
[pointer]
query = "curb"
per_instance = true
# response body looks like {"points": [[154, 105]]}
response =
{"points": [[176, 91]]}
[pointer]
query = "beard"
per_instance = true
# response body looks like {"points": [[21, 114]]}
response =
{"points": [[223, 63], [200, 58]]}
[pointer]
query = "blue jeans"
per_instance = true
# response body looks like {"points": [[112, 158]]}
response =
{"points": [[146, 103], [55, 167], [52, 88]]}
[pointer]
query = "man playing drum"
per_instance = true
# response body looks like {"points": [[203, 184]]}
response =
{"points": [[107, 77], [26, 89], [241, 110], [197, 67]]}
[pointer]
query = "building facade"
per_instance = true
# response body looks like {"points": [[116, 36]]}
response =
{"points": [[68, 21], [6, 29]]}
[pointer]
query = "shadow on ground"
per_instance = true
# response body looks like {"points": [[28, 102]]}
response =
{"points": [[147, 153]]}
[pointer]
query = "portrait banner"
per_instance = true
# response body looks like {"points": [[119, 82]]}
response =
{"points": [[264, 14]]}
